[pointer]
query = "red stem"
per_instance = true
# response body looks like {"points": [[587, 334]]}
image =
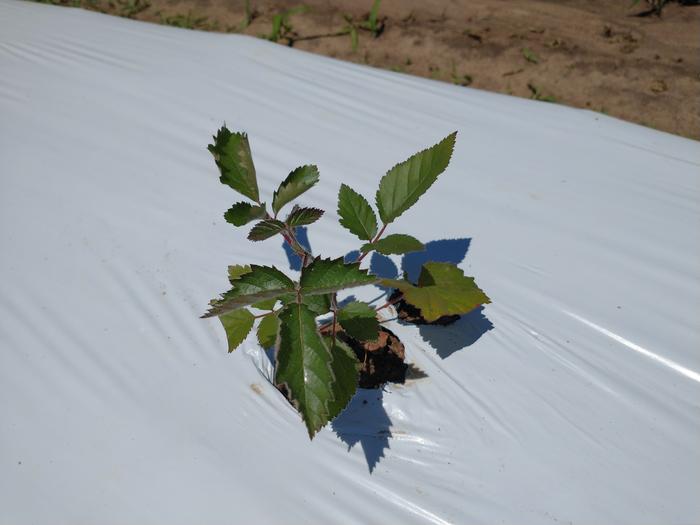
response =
{"points": [[389, 303], [376, 238]]}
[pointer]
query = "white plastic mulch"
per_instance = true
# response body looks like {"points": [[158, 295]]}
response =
{"points": [[573, 398]]}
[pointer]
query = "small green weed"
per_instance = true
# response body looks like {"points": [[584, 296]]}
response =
{"points": [[129, 8], [536, 94], [186, 21], [460, 80], [372, 23], [530, 56], [282, 27]]}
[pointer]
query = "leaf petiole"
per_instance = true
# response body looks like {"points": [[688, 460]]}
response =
{"points": [[376, 238], [271, 312], [390, 303]]}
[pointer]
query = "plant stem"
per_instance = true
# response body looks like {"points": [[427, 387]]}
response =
{"points": [[376, 238], [265, 315], [334, 307], [389, 303], [291, 238]]}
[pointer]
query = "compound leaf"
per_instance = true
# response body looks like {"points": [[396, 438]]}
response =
{"points": [[346, 369], [304, 366], [303, 216], [296, 183], [265, 229], [359, 320], [324, 276], [232, 155], [396, 243], [242, 213], [403, 184], [267, 330], [356, 214], [260, 284], [437, 273], [442, 289], [237, 324]]}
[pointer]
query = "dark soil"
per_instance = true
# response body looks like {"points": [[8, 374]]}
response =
{"points": [[382, 360]]}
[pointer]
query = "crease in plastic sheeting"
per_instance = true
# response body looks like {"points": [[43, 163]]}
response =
{"points": [[411, 507], [690, 374], [262, 362]]}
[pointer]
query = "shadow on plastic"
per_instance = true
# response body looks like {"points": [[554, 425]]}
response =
{"points": [[365, 421]]}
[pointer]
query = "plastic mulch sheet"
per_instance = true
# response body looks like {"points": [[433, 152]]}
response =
{"points": [[573, 398]]}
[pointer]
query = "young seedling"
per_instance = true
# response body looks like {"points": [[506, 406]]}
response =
{"points": [[185, 21], [282, 26], [315, 368], [372, 23], [530, 56], [536, 94], [249, 14]]}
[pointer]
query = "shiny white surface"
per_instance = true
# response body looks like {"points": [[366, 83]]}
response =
{"points": [[119, 405]]}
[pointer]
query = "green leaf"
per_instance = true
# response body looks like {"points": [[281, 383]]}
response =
{"points": [[403, 184], [346, 370], [304, 366], [237, 325], [303, 216], [356, 214], [318, 304], [436, 273], [265, 229], [530, 56], [326, 276], [354, 40], [373, 13], [267, 330], [395, 243], [236, 270], [359, 320], [296, 183], [242, 213], [442, 289], [265, 305], [232, 155], [260, 284]]}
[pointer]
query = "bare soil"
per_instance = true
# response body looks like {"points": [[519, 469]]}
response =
{"points": [[381, 361], [592, 54]]}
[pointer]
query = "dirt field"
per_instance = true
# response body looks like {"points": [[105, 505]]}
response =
{"points": [[591, 54]]}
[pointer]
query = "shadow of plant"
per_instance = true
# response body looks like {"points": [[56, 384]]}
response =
{"points": [[446, 340], [365, 421], [446, 250]]}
